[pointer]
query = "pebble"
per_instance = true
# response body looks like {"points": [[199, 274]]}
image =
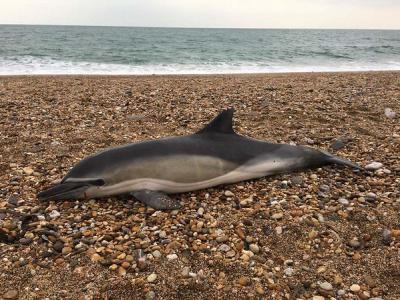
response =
{"points": [[318, 298], [374, 166], [289, 271], [324, 188], [150, 295], [389, 113], [25, 241], [343, 201], [229, 193], [66, 250], [254, 248], [387, 237], [224, 248], [338, 144], [244, 281], [354, 243], [156, 254], [355, 288], [277, 216], [326, 286], [152, 277], [13, 200], [185, 272], [297, 180], [370, 197], [28, 170], [278, 230], [54, 214], [11, 294], [172, 257]]}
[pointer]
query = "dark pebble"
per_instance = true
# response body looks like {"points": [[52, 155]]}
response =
{"points": [[25, 241], [13, 200], [58, 246], [386, 237]]}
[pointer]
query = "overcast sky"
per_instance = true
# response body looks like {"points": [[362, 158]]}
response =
{"points": [[380, 14]]}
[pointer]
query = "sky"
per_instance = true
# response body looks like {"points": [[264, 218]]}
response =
{"points": [[357, 14]]}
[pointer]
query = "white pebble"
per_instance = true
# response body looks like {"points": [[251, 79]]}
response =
{"points": [[374, 166], [172, 257], [229, 194], [54, 214], [152, 277]]}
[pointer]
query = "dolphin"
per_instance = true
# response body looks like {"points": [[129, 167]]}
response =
{"points": [[215, 155]]}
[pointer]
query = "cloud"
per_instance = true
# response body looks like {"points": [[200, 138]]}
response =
{"points": [[206, 13]]}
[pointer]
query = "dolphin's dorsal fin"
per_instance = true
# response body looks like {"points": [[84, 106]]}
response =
{"points": [[221, 123]]}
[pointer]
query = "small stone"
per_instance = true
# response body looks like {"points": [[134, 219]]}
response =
{"points": [[121, 271], [387, 237], [326, 286], [254, 248], [66, 250], [200, 211], [224, 248], [10, 294], [230, 254], [172, 257], [389, 113], [343, 201], [338, 144], [95, 257], [156, 254], [374, 166], [162, 234], [318, 298], [296, 180], [314, 176], [150, 295], [278, 230], [13, 200], [260, 290], [58, 246], [229, 193], [152, 277], [28, 170], [244, 281], [277, 216], [289, 271], [324, 188], [370, 197], [54, 214], [185, 272], [355, 288], [354, 243], [25, 241]]}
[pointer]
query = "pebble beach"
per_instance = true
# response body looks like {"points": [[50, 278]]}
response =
{"points": [[328, 233]]}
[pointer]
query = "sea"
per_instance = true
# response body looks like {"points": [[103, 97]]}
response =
{"points": [[31, 49]]}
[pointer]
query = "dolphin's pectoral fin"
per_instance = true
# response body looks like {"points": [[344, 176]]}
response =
{"points": [[156, 200]]}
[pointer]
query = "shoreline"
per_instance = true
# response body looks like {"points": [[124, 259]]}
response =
{"points": [[203, 74], [327, 232]]}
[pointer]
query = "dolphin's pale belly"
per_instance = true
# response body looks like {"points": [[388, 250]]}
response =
{"points": [[182, 174]]}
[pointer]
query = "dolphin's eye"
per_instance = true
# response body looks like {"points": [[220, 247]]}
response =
{"points": [[99, 182]]}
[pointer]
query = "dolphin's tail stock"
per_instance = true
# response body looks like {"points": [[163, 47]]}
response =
{"points": [[333, 159]]}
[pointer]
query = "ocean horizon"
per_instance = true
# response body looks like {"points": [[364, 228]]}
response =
{"points": [[58, 49]]}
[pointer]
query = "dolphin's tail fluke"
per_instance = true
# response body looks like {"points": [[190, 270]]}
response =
{"points": [[333, 159]]}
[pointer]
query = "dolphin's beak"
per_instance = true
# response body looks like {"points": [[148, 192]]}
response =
{"points": [[64, 191]]}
